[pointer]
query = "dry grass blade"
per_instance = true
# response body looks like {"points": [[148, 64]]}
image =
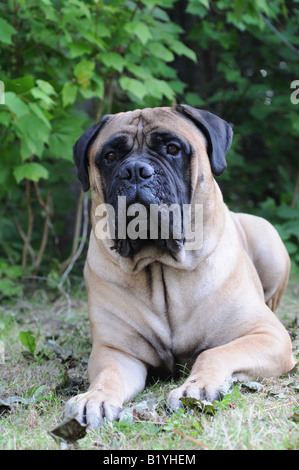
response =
{"points": [[190, 438]]}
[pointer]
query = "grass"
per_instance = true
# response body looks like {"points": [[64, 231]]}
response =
{"points": [[34, 387]]}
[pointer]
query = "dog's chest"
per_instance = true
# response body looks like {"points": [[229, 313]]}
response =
{"points": [[174, 298], [164, 290]]}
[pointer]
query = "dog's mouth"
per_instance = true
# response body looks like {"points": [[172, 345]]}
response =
{"points": [[152, 225], [128, 248]]}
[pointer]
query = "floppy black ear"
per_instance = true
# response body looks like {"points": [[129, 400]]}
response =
{"points": [[218, 133], [81, 148]]}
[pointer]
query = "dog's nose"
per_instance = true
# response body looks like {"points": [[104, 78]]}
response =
{"points": [[136, 172]]}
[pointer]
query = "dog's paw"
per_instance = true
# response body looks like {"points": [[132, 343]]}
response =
{"points": [[193, 389], [91, 408]]}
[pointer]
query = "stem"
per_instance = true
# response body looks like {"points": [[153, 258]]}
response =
{"points": [[82, 243], [295, 193], [30, 224], [45, 235], [99, 111], [76, 232], [24, 238], [110, 96]]}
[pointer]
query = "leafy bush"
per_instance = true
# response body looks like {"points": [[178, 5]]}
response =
{"points": [[66, 63]]}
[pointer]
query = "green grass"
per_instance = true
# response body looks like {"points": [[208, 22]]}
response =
{"points": [[246, 419]]}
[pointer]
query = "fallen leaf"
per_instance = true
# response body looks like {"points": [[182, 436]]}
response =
{"points": [[145, 415], [69, 431], [252, 386], [7, 403], [142, 411], [201, 406]]}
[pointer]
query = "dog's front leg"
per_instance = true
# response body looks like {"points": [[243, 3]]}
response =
{"points": [[265, 351], [115, 378]]}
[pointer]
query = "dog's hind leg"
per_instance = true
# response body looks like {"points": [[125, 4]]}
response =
{"points": [[268, 254]]}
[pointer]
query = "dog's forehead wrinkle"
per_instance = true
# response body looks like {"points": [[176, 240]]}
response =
{"points": [[141, 124]]}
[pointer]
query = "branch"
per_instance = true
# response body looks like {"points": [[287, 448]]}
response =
{"points": [[82, 243], [30, 225], [24, 238], [295, 193], [110, 96], [45, 234], [76, 232], [281, 37]]}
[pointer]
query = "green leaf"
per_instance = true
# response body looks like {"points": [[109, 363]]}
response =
{"points": [[161, 52], [69, 93], [38, 94], [194, 100], [159, 88], [28, 340], [32, 171], [198, 7], [46, 87], [43, 92], [33, 133], [83, 72], [139, 71], [39, 112], [16, 104], [78, 49], [8, 288], [6, 31], [141, 30], [133, 86], [19, 85], [179, 48], [287, 212], [113, 60], [65, 131], [5, 117]]}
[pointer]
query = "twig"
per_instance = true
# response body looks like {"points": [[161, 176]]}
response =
{"points": [[39, 197], [295, 193], [82, 243], [99, 111], [281, 37], [76, 232], [30, 225], [276, 407], [24, 238], [192, 439], [45, 235], [110, 96]]}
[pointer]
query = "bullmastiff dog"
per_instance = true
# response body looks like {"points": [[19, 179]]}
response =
{"points": [[154, 303]]}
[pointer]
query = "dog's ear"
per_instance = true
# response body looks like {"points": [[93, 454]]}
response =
{"points": [[81, 148], [218, 133]]}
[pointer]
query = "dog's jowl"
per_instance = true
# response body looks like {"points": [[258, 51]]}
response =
{"points": [[154, 303]]}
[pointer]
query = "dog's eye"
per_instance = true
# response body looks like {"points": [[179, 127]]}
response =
{"points": [[110, 156], [172, 149]]}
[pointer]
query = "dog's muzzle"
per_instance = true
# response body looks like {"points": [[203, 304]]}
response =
{"points": [[151, 189]]}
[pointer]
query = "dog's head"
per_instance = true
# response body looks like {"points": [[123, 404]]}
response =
{"points": [[151, 159]]}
